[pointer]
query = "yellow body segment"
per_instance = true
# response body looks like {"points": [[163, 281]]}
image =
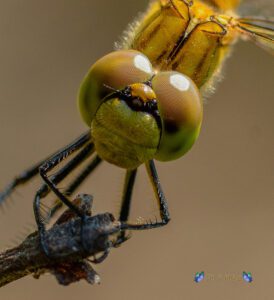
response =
{"points": [[161, 27], [191, 38], [224, 4], [142, 91], [201, 53]]}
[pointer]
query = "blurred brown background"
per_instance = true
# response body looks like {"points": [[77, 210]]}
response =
{"points": [[220, 194]]}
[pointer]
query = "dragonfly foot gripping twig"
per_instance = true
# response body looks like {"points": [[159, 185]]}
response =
{"points": [[69, 261]]}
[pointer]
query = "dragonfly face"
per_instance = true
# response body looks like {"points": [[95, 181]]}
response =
{"points": [[159, 117], [125, 130]]}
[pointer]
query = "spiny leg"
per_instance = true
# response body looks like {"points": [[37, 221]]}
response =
{"points": [[26, 176], [72, 187], [164, 213], [127, 194], [43, 170], [124, 212], [84, 174], [126, 200], [126, 203], [21, 179], [62, 174], [76, 183]]}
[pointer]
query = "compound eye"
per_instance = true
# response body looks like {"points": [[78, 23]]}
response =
{"points": [[181, 111], [116, 70]]}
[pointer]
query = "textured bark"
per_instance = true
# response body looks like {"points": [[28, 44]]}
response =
{"points": [[68, 260]]}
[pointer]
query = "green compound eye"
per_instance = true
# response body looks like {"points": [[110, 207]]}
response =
{"points": [[181, 110], [115, 70]]}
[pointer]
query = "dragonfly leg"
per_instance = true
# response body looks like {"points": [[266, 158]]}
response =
{"points": [[62, 174], [126, 203], [164, 213], [99, 260], [22, 178], [43, 170], [76, 183]]}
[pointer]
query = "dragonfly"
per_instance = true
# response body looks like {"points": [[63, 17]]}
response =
{"points": [[144, 101]]}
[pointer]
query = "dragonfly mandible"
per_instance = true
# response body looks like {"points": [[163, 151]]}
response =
{"points": [[143, 101]]}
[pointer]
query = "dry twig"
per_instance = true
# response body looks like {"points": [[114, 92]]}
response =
{"points": [[69, 260]]}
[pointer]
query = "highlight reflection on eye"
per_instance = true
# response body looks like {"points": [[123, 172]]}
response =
{"points": [[180, 82], [142, 63]]}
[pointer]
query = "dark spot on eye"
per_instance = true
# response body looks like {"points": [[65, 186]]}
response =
{"points": [[171, 127], [176, 149]]}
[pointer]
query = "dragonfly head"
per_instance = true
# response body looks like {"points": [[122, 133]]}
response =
{"points": [[136, 114]]}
